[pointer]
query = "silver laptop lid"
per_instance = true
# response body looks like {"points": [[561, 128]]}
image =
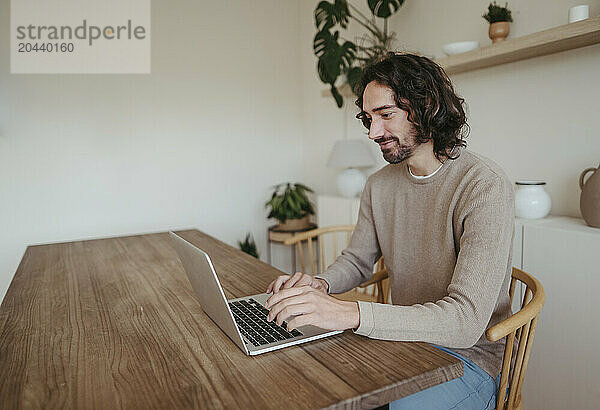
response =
{"points": [[201, 274]]}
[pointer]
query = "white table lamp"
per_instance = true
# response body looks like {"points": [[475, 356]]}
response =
{"points": [[350, 154]]}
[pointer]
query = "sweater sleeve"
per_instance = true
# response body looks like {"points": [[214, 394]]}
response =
{"points": [[459, 319], [355, 264]]}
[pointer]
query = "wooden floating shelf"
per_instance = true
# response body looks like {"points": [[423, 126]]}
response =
{"points": [[554, 40]]}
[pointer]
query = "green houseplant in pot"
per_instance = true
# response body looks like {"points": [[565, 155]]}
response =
{"points": [[499, 18], [339, 57], [290, 205], [249, 246]]}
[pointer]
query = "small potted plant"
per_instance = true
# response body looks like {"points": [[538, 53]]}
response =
{"points": [[289, 204], [249, 246], [499, 18]]}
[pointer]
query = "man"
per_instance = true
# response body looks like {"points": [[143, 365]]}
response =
{"points": [[441, 216]]}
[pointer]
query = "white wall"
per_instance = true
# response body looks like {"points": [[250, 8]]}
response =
{"points": [[233, 106], [197, 143], [537, 118]]}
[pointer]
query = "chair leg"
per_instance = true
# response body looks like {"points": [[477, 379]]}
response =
{"points": [[380, 295]]}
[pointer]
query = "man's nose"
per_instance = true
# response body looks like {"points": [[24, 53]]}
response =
{"points": [[376, 130]]}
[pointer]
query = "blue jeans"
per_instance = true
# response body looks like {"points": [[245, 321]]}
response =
{"points": [[475, 390]]}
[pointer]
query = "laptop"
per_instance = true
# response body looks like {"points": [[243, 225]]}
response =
{"points": [[244, 319]]}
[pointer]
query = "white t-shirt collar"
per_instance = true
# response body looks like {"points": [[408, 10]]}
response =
{"points": [[424, 176]]}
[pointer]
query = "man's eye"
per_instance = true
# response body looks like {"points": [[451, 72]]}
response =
{"points": [[386, 115]]}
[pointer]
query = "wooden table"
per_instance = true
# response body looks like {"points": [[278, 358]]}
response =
{"points": [[113, 323]]}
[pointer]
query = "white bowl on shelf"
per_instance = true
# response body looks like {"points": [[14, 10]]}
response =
{"points": [[460, 47]]}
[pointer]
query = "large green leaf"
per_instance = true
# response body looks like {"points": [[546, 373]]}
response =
{"points": [[339, 100], [324, 41], [323, 73], [334, 58], [384, 8], [293, 205], [354, 76], [328, 14], [302, 187]]}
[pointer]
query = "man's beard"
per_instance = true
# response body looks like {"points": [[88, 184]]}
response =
{"points": [[398, 152]]}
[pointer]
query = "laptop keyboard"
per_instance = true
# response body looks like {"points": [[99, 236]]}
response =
{"points": [[251, 318]]}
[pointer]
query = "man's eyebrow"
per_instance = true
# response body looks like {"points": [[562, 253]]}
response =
{"points": [[383, 107]]}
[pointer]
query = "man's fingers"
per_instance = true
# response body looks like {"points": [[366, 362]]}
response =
{"points": [[299, 279], [287, 282], [301, 320], [279, 279], [292, 280], [278, 307], [284, 294], [279, 282], [293, 310]]}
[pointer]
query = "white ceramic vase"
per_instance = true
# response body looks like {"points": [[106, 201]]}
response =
{"points": [[531, 200]]}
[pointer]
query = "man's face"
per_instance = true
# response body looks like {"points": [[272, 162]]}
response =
{"points": [[388, 125]]}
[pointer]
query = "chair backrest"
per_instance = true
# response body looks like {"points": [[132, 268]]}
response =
{"points": [[330, 241], [519, 330], [338, 236]]}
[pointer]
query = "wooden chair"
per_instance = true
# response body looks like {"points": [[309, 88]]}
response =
{"points": [[520, 329], [374, 290]]}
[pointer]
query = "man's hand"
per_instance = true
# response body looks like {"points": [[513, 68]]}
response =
{"points": [[297, 279], [310, 306]]}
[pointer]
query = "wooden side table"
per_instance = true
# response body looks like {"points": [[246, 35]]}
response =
{"points": [[279, 236]]}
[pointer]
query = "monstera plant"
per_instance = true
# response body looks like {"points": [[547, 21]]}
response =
{"points": [[338, 56]]}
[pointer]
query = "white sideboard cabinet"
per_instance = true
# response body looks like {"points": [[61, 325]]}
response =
{"points": [[564, 255]]}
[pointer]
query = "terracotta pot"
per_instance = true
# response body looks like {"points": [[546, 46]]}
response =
{"points": [[294, 224], [589, 202], [499, 31]]}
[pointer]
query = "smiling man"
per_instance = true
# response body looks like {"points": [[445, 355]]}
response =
{"points": [[442, 218]]}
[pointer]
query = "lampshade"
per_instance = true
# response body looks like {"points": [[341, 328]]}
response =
{"points": [[350, 154]]}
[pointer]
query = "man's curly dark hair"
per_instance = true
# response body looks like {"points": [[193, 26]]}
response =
{"points": [[424, 91]]}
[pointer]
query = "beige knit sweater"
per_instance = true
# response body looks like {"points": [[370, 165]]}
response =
{"points": [[447, 244]]}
